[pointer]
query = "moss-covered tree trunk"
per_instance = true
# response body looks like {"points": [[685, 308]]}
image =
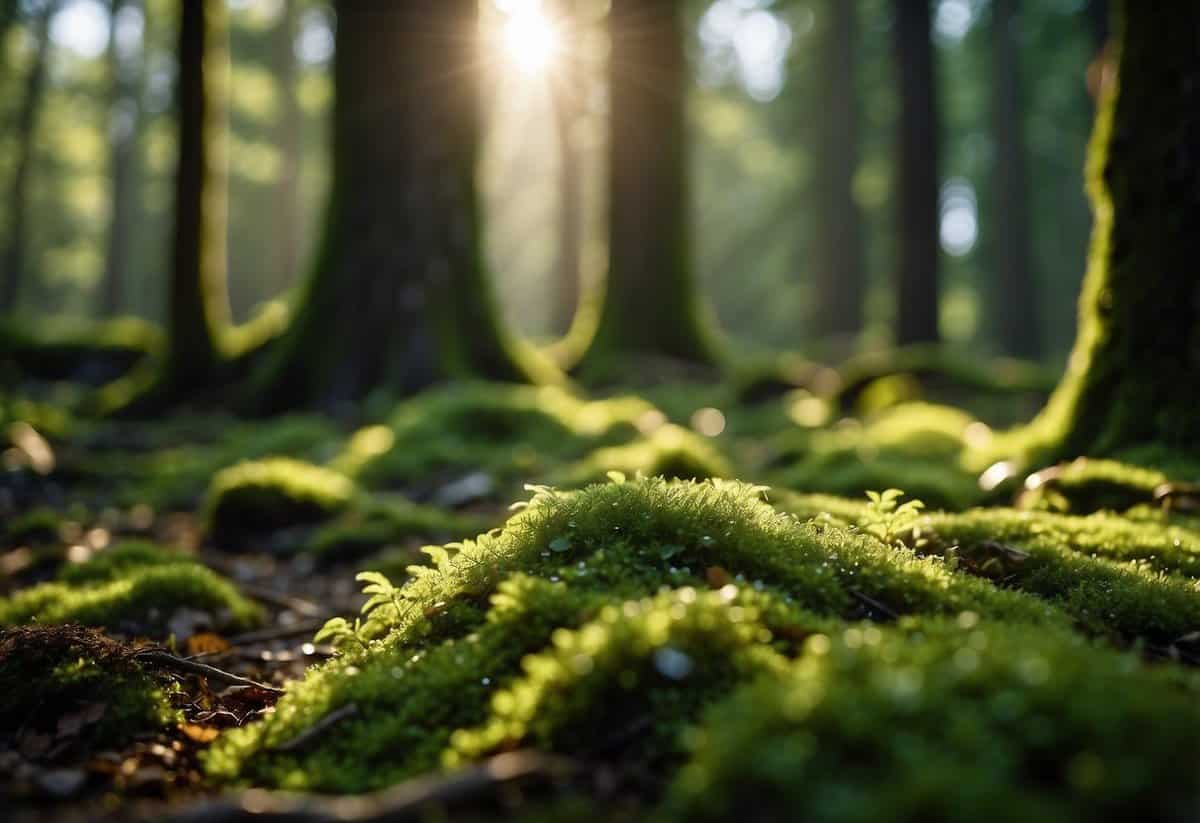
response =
{"points": [[1133, 376], [124, 126], [196, 298], [398, 298], [840, 273], [650, 305], [12, 261], [1014, 305], [917, 281]]}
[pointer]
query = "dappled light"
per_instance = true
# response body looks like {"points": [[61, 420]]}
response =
{"points": [[614, 410]]}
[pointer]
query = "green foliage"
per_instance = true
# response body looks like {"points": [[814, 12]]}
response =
{"points": [[134, 586], [256, 497], [954, 720], [379, 521], [48, 674], [888, 519]]}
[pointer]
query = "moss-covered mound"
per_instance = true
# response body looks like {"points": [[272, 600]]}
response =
{"points": [[256, 497], [951, 721], [131, 586], [603, 623], [379, 521], [48, 674], [512, 434]]}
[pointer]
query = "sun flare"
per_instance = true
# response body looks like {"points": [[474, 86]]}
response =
{"points": [[531, 39]]}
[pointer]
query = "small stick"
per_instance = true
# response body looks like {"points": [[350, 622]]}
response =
{"points": [[282, 601], [316, 729], [277, 633], [212, 673]]}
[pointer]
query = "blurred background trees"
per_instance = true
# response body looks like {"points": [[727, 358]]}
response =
{"points": [[795, 133]]}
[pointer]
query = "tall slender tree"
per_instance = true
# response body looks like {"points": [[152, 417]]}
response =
{"points": [[1131, 381], [124, 126], [398, 297], [288, 140], [12, 261], [1014, 306], [197, 305], [917, 279], [839, 270], [650, 304], [567, 97]]}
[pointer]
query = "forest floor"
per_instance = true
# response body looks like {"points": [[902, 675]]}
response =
{"points": [[630, 648]]}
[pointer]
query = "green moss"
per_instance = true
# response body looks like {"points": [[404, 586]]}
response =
{"points": [[257, 497], [377, 522], [1084, 486], [135, 586], [433, 651], [949, 720], [668, 451], [74, 349], [510, 432], [47, 674], [36, 526], [919, 446], [1112, 575]]}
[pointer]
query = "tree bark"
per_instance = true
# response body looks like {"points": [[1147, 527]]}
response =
{"points": [[124, 127], [288, 140], [650, 305], [1132, 375], [1015, 305], [12, 263], [917, 177], [398, 299], [197, 304], [839, 271], [567, 92]]}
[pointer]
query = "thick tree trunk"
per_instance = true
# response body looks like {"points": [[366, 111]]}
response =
{"points": [[917, 177], [197, 305], [124, 127], [12, 262], [839, 271], [288, 140], [1014, 308], [398, 298], [1132, 376], [650, 305]]}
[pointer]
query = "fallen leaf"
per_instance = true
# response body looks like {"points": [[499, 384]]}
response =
{"points": [[206, 643], [198, 733], [717, 577]]}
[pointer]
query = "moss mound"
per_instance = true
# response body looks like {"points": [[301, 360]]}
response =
{"points": [[613, 562], [380, 521], [131, 586], [511, 433], [949, 720], [48, 673], [260, 496]]}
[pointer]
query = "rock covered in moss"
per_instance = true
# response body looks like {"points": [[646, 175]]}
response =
{"points": [[259, 496], [132, 586]]}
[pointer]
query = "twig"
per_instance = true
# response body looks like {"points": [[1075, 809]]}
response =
{"points": [[875, 604], [211, 673], [407, 801], [317, 729], [283, 601]]}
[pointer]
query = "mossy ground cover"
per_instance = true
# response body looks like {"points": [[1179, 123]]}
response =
{"points": [[628, 620], [134, 587]]}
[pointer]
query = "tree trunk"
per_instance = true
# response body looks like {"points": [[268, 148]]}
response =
{"points": [[1015, 303], [567, 92], [12, 263], [1132, 376], [197, 305], [288, 140], [839, 272], [398, 297], [650, 305], [124, 127], [917, 177]]}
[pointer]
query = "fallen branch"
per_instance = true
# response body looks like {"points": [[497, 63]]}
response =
{"points": [[411, 800], [317, 729], [278, 633], [157, 657]]}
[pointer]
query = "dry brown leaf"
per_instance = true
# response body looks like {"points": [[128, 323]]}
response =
{"points": [[198, 733]]}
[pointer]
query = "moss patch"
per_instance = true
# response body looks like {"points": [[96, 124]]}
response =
{"points": [[131, 586], [260, 496], [49, 673]]}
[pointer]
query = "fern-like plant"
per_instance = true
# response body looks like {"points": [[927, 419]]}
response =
{"points": [[889, 520]]}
